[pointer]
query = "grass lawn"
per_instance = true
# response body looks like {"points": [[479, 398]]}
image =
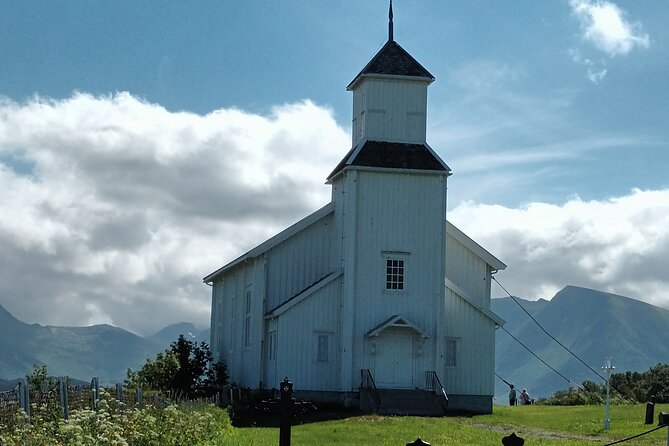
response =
{"points": [[538, 425]]}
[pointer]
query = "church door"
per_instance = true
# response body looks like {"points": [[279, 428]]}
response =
{"points": [[393, 359]]}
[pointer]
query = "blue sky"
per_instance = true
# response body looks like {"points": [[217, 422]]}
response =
{"points": [[552, 115]]}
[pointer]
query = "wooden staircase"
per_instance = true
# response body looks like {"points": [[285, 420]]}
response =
{"points": [[409, 402], [432, 401]]}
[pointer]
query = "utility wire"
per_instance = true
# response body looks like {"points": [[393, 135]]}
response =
{"points": [[550, 335], [536, 356], [505, 381]]}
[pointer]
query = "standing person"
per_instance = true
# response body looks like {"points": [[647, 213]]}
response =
{"points": [[525, 398], [512, 395]]}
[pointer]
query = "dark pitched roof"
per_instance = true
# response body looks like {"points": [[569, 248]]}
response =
{"points": [[394, 60], [393, 155]]}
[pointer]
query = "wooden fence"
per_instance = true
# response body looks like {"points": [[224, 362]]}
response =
{"points": [[58, 398]]}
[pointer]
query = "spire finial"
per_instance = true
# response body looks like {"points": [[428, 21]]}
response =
{"points": [[390, 22]]}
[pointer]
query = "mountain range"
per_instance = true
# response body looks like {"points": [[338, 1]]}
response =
{"points": [[594, 325], [102, 351]]}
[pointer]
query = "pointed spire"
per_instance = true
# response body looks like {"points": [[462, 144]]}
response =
{"points": [[390, 22]]}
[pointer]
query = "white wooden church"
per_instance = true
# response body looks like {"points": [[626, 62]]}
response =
{"points": [[375, 297]]}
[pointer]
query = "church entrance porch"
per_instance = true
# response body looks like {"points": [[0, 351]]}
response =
{"points": [[393, 347], [394, 359]]}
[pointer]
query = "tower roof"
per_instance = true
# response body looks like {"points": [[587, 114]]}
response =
{"points": [[392, 155], [393, 60]]}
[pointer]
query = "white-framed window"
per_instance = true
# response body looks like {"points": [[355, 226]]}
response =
{"points": [[247, 317], [271, 345], [323, 347], [394, 273], [451, 352]]}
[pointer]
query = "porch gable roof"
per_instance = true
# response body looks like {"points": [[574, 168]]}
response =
{"points": [[396, 321]]}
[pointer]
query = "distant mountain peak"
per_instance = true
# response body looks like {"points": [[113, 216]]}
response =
{"points": [[101, 350], [592, 323]]}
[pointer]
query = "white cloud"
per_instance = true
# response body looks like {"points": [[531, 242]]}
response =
{"points": [[620, 245], [605, 26], [596, 70], [483, 75], [128, 205]]}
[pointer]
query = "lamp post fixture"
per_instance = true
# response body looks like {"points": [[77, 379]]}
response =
{"points": [[608, 368]]}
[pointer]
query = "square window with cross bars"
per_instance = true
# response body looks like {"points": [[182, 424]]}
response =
{"points": [[394, 274]]}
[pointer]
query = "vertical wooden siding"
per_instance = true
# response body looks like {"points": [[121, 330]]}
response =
{"points": [[475, 333], [468, 270], [297, 344], [402, 213], [299, 262], [390, 110], [244, 361]]}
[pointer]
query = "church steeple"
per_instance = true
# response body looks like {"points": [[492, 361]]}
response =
{"points": [[390, 22], [390, 112]]}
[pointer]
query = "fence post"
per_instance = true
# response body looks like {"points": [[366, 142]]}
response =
{"points": [[62, 388], [24, 397], [286, 409], [663, 420], [95, 393], [139, 402]]}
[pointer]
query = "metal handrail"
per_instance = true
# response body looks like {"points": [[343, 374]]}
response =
{"points": [[433, 383], [367, 382]]}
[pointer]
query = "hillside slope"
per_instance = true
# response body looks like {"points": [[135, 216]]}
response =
{"points": [[103, 351], [593, 324]]}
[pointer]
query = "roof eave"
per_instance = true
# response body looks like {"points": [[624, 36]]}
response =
{"points": [[359, 78]]}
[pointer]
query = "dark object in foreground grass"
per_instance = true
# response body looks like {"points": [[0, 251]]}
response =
{"points": [[418, 442], [513, 440]]}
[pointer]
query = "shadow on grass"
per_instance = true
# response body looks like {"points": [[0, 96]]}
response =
{"points": [[260, 413]]}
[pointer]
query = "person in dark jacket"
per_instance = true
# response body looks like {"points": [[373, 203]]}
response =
{"points": [[512, 395]]}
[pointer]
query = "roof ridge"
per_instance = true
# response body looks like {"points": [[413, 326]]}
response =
{"points": [[392, 59]]}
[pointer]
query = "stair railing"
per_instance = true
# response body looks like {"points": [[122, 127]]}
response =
{"points": [[433, 384], [367, 382]]}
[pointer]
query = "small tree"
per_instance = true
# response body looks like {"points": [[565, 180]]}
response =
{"points": [[155, 374], [185, 368], [39, 379], [217, 377]]}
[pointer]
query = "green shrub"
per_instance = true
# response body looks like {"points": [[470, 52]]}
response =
{"points": [[112, 426]]}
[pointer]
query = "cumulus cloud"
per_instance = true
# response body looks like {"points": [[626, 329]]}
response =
{"points": [[606, 27], [113, 209], [619, 245]]}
